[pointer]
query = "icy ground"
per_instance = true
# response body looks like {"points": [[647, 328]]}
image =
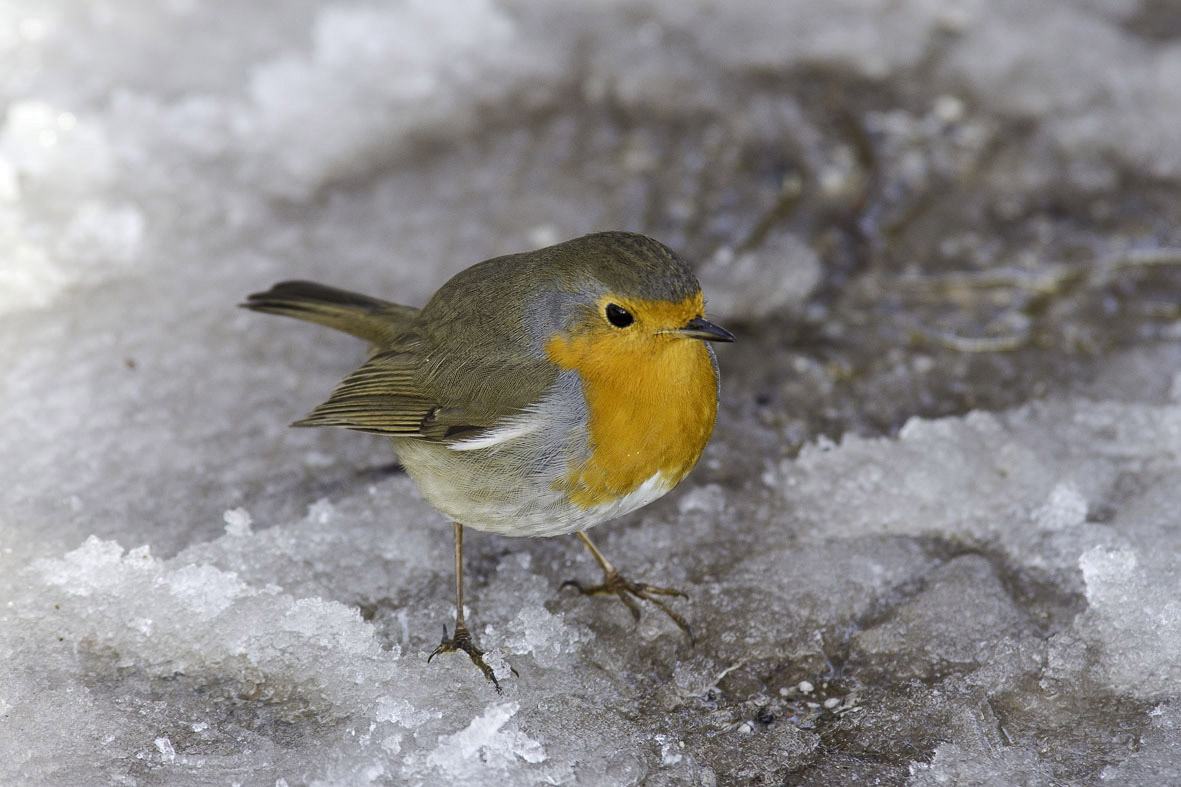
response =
{"points": [[934, 540]]}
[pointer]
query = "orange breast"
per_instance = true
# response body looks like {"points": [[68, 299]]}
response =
{"points": [[651, 404]]}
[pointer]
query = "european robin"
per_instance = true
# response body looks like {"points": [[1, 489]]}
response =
{"points": [[536, 394]]}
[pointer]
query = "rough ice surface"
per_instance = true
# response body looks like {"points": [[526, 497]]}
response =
{"points": [[934, 540]]}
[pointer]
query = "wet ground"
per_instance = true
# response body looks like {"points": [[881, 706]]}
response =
{"points": [[932, 541]]}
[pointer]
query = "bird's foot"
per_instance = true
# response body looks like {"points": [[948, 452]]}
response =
{"points": [[627, 592], [463, 641]]}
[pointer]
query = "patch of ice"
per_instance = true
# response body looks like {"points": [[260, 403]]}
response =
{"points": [[326, 115], [484, 747], [238, 522], [1065, 508], [751, 285], [1135, 620]]}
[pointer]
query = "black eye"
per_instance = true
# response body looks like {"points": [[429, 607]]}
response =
{"points": [[619, 316]]}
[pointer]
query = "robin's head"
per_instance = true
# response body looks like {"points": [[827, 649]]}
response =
{"points": [[619, 293]]}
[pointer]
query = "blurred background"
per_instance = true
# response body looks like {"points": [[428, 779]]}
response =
{"points": [[903, 208]]}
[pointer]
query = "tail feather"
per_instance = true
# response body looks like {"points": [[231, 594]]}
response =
{"points": [[362, 316]]}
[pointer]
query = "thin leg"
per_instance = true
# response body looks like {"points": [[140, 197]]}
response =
{"points": [[462, 639], [458, 576], [604, 563], [625, 589]]}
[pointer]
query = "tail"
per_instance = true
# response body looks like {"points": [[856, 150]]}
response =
{"points": [[368, 318]]}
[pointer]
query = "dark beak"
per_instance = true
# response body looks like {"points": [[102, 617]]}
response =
{"points": [[701, 328]]}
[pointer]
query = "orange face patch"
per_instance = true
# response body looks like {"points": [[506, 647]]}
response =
{"points": [[651, 398]]}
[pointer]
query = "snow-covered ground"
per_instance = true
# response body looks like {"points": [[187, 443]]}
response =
{"points": [[934, 540]]}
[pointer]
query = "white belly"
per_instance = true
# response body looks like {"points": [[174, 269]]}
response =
{"points": [[509, 480], [493, 496]]}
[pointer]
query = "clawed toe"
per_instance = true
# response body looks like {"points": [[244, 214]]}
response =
{"points": [[628, 592], [462, 641]]}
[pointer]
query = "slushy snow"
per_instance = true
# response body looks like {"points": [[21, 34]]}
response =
{"points": [[934, 540]]}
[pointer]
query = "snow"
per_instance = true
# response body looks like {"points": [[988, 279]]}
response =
{"points": [[933, 541]]}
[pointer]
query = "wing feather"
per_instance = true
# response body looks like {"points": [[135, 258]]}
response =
{"points": [[394, 393]]}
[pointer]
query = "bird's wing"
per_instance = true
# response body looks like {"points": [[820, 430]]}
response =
{"points": [[410, 393], [380, 397]]}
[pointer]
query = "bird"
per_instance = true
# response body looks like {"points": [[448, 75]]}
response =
{"points": [[535, 394]]}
